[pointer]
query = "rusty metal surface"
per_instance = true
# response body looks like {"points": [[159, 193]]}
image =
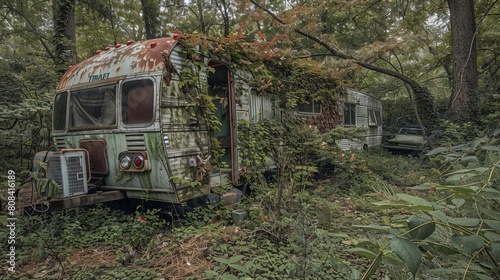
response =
{"points": [[140, 57], [98, 156]]}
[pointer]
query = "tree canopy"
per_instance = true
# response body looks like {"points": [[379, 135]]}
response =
{"points": [[414, 55]]}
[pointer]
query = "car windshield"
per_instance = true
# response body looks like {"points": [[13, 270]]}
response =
{"points": [[410, 131]]}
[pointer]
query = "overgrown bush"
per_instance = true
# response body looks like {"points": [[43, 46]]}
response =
{"points": [[454, 233]]}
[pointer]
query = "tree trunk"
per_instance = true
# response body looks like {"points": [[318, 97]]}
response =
{"points": [[463, 100], [151, 17], [64, 33]]}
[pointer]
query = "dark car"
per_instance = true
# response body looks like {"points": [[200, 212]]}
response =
{"points": [[409, 139]]}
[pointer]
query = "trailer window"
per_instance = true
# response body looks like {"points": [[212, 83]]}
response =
{"points": [[374, 118], [349, 114], [93, 108], [309, 107], [261, 106], [137, 102], [60, 107]]}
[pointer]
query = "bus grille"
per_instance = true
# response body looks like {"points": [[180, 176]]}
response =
{"points": [[135, 142]]}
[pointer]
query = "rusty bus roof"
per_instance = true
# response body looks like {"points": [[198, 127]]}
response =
{"points": [[125, 60]]}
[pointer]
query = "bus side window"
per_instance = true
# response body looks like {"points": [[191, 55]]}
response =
{"points": [[139, 103]]}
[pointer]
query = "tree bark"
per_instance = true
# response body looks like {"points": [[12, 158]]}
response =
{"points": [[64, 33], [151, 17], [463, 101]]}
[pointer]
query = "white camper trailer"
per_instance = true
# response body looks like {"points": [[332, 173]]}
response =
{"points": [[362, 110]]}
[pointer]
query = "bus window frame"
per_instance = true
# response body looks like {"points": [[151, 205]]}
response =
{"points": [[123, 103]]}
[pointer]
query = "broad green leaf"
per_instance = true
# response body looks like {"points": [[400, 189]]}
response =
{"points": [[417, 201], [355, 274], [490, 190], [385, 229], [373, 267], [494, 224], [421, 228], [467, 244], [374, 247], [443, 248], [492, 236], [478, 170], [458, 189], [384, 205], [239, 268], [490, 213], [408, 252], [461, 177], [388, 260], [459, 202], [228, 277], [468, 158], [465, 222], [221, 260], [481, 276], [495, 251], [363, 252], [440, 216], [436, 151], [490, 148], [236, 259], [461, 147]]}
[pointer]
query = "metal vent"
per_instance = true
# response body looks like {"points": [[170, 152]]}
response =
{"points": [[54, 169], [135, 142], [70, 171], [75, 175], [60, 142]]}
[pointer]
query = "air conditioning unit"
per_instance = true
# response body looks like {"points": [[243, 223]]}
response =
{"points": [[69, 169]]}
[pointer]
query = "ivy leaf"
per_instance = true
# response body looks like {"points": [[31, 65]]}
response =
{"points": [[421, 228], [467, 244], [408, 252]]}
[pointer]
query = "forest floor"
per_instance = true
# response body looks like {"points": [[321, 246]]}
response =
{"points": [[310, 237]]}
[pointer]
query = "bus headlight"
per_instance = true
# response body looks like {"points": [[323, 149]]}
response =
{"points": [[125, 162], [134, 161]]}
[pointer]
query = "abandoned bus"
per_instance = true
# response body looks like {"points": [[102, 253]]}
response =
{"points": [[126, 124], [123, 122]]}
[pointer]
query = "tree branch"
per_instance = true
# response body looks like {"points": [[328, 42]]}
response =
{"points": [[420, 92]]}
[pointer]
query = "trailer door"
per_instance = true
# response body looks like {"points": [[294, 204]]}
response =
{"points": [[219, 84]]}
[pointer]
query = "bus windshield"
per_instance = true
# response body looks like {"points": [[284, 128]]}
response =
{"points": [[93, 108]]}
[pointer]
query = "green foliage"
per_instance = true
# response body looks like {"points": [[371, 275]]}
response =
{"points": [[117, 273], [49, 235], [460, 223]]}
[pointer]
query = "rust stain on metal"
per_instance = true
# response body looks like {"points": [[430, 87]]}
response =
{"points": [[140, 57]]}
